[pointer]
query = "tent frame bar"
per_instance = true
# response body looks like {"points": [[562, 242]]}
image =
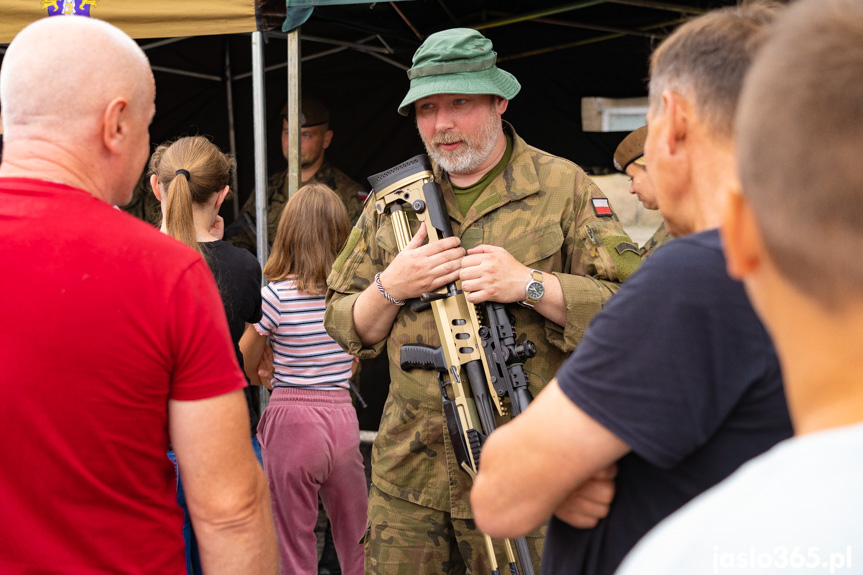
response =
{"points": [[538, 14], [585, 26], [662, 6], [360, 45], [164, 42], [167, 70], [232, 134], [584, 42]]}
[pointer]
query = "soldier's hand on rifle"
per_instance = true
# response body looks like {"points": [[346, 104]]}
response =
{"points": [[423, 268], [590, 502], [490, 273]]}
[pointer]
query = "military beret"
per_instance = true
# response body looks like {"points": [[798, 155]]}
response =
{"points": [[630, 149], [314, 112]]}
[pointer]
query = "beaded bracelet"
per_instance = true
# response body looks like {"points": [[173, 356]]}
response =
{"points": [[384, 293]]}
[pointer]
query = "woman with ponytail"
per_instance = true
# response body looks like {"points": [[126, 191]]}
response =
{"points": [[190, 178]]}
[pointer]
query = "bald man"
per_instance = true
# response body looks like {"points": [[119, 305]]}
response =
{"points": [[112, 338]]}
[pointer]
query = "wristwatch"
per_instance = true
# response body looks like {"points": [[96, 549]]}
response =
{"points": [[535, 289]]}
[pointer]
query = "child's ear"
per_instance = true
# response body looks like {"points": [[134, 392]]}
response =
{"points": [[157, 190], [222, 195]]}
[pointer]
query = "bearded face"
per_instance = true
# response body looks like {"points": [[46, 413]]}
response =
{"points": [[462, 145]]}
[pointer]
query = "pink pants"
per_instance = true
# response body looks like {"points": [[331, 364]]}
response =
{"points": [[310, 442]]}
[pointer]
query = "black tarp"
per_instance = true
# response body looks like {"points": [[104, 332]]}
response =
{"points": [[552, 50]]}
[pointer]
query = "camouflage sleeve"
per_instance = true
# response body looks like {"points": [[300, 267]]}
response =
{"points": [[353, 203], [659, 238], [353, 271], [599, 255], [249, 206], [241, 233], [144, 204], [349, 191]]}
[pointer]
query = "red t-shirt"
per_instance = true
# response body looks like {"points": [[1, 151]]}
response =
{"points": [[103, 320]]}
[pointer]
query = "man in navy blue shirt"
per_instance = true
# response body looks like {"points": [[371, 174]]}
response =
{"points": [[676, 380]]}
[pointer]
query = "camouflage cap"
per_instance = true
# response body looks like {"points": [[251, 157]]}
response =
{"points": [[630, 149], [314, 112], [457, 61]]}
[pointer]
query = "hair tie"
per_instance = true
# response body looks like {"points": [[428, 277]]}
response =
{"points": [[185, 173]]}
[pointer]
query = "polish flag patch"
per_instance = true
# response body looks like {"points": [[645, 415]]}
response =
{"points": [[602, 207]]}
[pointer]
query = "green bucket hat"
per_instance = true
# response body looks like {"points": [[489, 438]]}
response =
{"points": [[457, 61]]}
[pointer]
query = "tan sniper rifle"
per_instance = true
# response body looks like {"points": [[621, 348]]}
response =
{"points": [[485, 355]]}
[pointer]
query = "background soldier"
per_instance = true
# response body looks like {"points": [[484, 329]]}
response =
{"points": [[144, 204], [629, 159], [315, 138]]}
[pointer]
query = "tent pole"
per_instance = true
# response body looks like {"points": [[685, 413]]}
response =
{"points": [[232, 136], [293, 116], [260, 129], [260, 136]]}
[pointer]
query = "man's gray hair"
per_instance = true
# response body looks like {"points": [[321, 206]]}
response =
{"points": [[705, 61], [799, 134]]}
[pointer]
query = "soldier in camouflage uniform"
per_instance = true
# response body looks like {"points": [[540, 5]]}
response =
{"points": [[629, 159], [523, 214], [144, 204], [315, 138]]}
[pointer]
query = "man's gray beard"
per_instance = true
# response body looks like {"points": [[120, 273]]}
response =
{"points": [[466, 161]]}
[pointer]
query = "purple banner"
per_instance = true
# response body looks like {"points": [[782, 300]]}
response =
{"points": [[68, 7]]}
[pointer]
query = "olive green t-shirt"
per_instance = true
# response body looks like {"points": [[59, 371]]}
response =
{"points": [[467, 196]]}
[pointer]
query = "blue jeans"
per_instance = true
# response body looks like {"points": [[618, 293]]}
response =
{"points": [[193, 558]]}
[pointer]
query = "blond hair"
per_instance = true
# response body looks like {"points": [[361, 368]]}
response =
{"points": [[312, 229], [209, 171]]}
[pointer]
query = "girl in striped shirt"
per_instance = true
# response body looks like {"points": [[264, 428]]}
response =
{"points": [[309, 433]]}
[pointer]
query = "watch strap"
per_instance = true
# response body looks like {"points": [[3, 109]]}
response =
{"points": [[536, 276]]}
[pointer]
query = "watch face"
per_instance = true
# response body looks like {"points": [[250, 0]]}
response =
{"points": [[535, 290]]}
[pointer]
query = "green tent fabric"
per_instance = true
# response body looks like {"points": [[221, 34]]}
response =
{"points": [[296, 16], [298, 11]]}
